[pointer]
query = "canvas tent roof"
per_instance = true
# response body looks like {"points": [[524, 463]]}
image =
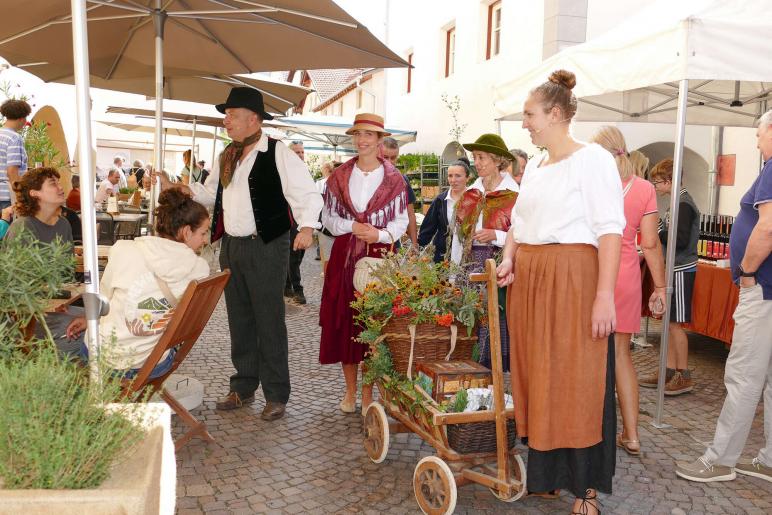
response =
{"points": [[631, 72]]}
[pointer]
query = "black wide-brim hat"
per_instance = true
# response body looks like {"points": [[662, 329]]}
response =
{"points": [[248, 98]]}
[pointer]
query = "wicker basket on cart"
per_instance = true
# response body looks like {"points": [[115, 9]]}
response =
{"points": [[432, 342], [474, 437]]}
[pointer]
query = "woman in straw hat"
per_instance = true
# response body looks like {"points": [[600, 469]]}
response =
{"points": [[640, 201], [366, 210], [482, 219], [565, 244]]}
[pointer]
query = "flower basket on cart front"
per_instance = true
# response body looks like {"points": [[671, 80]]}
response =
{"points": [[427, 342]]}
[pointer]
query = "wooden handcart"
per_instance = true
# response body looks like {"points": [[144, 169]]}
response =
{"points": [[436, 478]]}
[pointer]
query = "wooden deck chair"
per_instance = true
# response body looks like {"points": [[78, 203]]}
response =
{"points": [[185, 326]]}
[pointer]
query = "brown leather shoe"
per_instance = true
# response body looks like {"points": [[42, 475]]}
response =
{"points": [[273, 411], [233, 401]]}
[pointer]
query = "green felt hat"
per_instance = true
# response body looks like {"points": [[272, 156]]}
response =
{"points": [[491, 143]]}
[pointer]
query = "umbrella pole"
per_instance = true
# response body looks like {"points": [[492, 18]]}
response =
{"points": [[214, 147], [192, 163], [678, 157], [83, 106], [159, 19]]}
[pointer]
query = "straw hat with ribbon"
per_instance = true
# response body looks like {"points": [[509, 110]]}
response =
{"points": [[491, 143], [368, 122]]}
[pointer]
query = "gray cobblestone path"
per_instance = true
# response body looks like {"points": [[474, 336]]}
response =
{"points": [[312, 461]]}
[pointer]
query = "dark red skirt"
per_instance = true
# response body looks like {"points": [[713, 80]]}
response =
{"points": [[336, 318]]}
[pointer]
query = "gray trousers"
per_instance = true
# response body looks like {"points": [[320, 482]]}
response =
{"points": [[57, 324], [748, 374], [254, 298]]}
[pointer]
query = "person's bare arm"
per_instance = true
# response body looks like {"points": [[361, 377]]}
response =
{"points": [[759, 244], [603, 310], [13, 174], [412, 227], [505, 271], [652, 253]]}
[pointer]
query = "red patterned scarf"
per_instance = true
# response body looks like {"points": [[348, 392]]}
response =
{"points": [[231, 155], [496, 208]]}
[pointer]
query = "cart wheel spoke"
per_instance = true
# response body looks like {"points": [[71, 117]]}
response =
{"points": [[376, 432], [435, 486], [517, 477]]}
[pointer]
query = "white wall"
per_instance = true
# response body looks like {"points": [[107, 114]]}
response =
{"points": [[419, 26], [603, 15], [742, 142]]}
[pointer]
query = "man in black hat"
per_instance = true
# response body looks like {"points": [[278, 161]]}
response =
{"points": [[253, 186]]}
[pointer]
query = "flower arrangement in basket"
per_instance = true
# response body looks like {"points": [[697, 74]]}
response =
{"points": [[422, 310]]}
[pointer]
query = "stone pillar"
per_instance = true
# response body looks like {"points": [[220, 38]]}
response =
{"points": [[565, 24]]}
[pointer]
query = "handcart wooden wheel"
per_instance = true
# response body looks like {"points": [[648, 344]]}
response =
{"points": [[436, 478]]}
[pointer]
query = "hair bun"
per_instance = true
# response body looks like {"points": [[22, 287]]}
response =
{"points": [[173, 198], [563, 78]]}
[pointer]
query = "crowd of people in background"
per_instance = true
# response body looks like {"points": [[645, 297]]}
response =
{"points": [[567, 226]]}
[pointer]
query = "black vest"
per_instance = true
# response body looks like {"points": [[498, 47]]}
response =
{"points": [[270, 208]]}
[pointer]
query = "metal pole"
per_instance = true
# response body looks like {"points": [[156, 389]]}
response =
{"points": [[192, 163], [672, 232], [214, 147], [159, 19], [715, 150], [87, 180]]}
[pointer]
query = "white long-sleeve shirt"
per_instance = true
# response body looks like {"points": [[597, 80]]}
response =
{"points": [[362, 188], [507, 183], [296, 183]]}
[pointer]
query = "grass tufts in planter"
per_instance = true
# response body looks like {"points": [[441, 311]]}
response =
{"points": [[55, 431]]}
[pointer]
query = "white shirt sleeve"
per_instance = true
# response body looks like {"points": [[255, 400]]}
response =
{"points": [[501, 238], [298, 187], [602, 194], [396, 228], [206, 193], [335, 224]]}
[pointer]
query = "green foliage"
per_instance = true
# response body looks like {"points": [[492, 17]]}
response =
{"points": [[314, 163], [31, 273], [454, 106], [55, 431], [126, 191], [458, 402], [412, 162], [379, 364]]}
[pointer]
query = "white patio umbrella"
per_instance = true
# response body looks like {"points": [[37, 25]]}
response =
{"points": [[212, 36], [331, 130], [692, 61]]}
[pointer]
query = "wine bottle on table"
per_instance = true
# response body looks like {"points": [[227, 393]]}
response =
{"points": [[709, 238], [701, 241]]}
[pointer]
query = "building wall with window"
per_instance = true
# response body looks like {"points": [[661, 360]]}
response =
{"points": [[457, 47]]}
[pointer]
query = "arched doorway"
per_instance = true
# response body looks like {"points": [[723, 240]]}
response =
{"points": [[695, 174]]}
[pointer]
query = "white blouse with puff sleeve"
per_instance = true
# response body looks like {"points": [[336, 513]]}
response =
{"points": [[576, 200]]}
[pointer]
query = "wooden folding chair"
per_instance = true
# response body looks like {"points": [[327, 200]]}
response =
{"points": [[189, 319]]}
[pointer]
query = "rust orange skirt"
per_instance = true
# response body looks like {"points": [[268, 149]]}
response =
{"points": [[558, 370]]}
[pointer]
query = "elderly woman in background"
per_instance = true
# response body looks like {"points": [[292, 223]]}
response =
{"points": [[324, 236], [482, 219], [640, 202], [434, 228], [564, 246], [518, 165], [366, 209]]}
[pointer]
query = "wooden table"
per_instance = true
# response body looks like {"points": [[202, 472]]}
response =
{"points": [[713, 303], [76, 290]]}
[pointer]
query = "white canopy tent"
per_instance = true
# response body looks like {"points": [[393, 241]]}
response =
{"points": [[706, 62], [631, 73]]}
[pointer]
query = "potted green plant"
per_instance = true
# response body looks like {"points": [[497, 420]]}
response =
{"points": [[67, 445]]}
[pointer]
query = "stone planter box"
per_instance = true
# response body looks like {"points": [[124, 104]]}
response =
{"points": [[142, 483]]}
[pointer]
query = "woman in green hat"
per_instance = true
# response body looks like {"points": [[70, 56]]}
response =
{"points": [[482, 219]]}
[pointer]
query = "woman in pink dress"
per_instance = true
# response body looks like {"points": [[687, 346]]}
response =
{"points": [[641, 215]]}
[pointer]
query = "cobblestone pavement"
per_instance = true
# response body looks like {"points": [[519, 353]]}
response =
{"points": [[312, 461]]}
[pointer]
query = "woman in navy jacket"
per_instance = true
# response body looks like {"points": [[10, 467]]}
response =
{"points": [[434, 228]]}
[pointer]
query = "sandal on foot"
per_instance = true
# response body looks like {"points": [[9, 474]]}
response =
{"points": [[348, 406], [625, 444]]}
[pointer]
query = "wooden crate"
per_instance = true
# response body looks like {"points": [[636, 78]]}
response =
{"points": [[448, 377], [429, 192]]}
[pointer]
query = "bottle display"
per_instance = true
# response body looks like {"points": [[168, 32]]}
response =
{"points": [[713, 243]]}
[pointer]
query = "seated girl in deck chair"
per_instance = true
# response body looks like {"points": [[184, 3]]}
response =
{"points": [[143, 280]]}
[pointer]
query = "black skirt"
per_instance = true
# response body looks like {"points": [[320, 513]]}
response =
{"points": [[576, 470]]}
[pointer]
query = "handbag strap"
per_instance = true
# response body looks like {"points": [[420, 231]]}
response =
{"points": [[170, 298]]}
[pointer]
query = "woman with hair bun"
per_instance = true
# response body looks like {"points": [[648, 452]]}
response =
{"points": [[141, 276], [640, 201], [561, 258]]}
